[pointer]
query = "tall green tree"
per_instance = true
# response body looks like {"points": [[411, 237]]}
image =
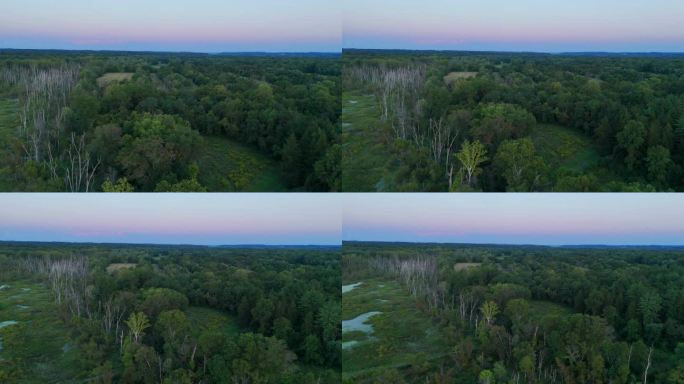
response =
{"points": [[173, 326], [631, 139], [489, 310], [517, 161], [292, 160], [649, 306], [472, 155], [658, 164], [158, 147], [137, 324]]}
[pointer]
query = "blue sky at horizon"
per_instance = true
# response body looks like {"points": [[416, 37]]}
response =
{"points": [[328, 219], [172, 25], [328, 25], [513, 218], [199, 219], [523, 25]]}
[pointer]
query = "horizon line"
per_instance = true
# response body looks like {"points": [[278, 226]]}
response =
{"points": [[510, 51], [252, 245], [587, 245], [236, 245], [170, 51], [341, 51]]}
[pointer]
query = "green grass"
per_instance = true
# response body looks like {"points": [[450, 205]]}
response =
{"points": [[114, 268], [113, 77], [226, 165], [401, 333], [9, 121], [453, 77], [365, 153], [565, 147], [203, 319], [47, 355], [465, 266], [540, 309]]}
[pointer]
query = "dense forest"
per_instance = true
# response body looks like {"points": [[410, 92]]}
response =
{"points": [[86, 121], [459, 121], [517, 314], [169, 314]]}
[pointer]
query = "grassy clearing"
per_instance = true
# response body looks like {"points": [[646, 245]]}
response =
{"points": [[464, 266], [47, 355], [116, 267], [540, 309], [563, 147], [203, 319], [226, 165], [453, 77], [365, 154], [567, 149], [113, 77], [401, 334]]}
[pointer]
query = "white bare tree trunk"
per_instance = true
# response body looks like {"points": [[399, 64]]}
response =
{"points": [[80, 172]]}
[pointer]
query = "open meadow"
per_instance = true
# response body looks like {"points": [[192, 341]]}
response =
{"points": [[383, 330]]}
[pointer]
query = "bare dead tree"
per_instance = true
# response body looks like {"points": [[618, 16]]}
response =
{"points": [[648, 364], [69, 281], [397, 91], [468, 306], [112, 316], [43, 99], [43, 103], [80, 172], [66, 277], [442, 140], [420, 275]]}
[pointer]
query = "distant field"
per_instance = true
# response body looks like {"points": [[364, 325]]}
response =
{"points": [[116, 267], [453, 77], [113, 77], [47, 355], [464, 266], [364, 151], [401, 334], [226, 165]]}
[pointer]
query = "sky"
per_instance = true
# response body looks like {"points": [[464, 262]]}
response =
{"points": [[329, 25], [513, 218], [201, 219], [172, 25], [520, 25], [329, 218]]}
